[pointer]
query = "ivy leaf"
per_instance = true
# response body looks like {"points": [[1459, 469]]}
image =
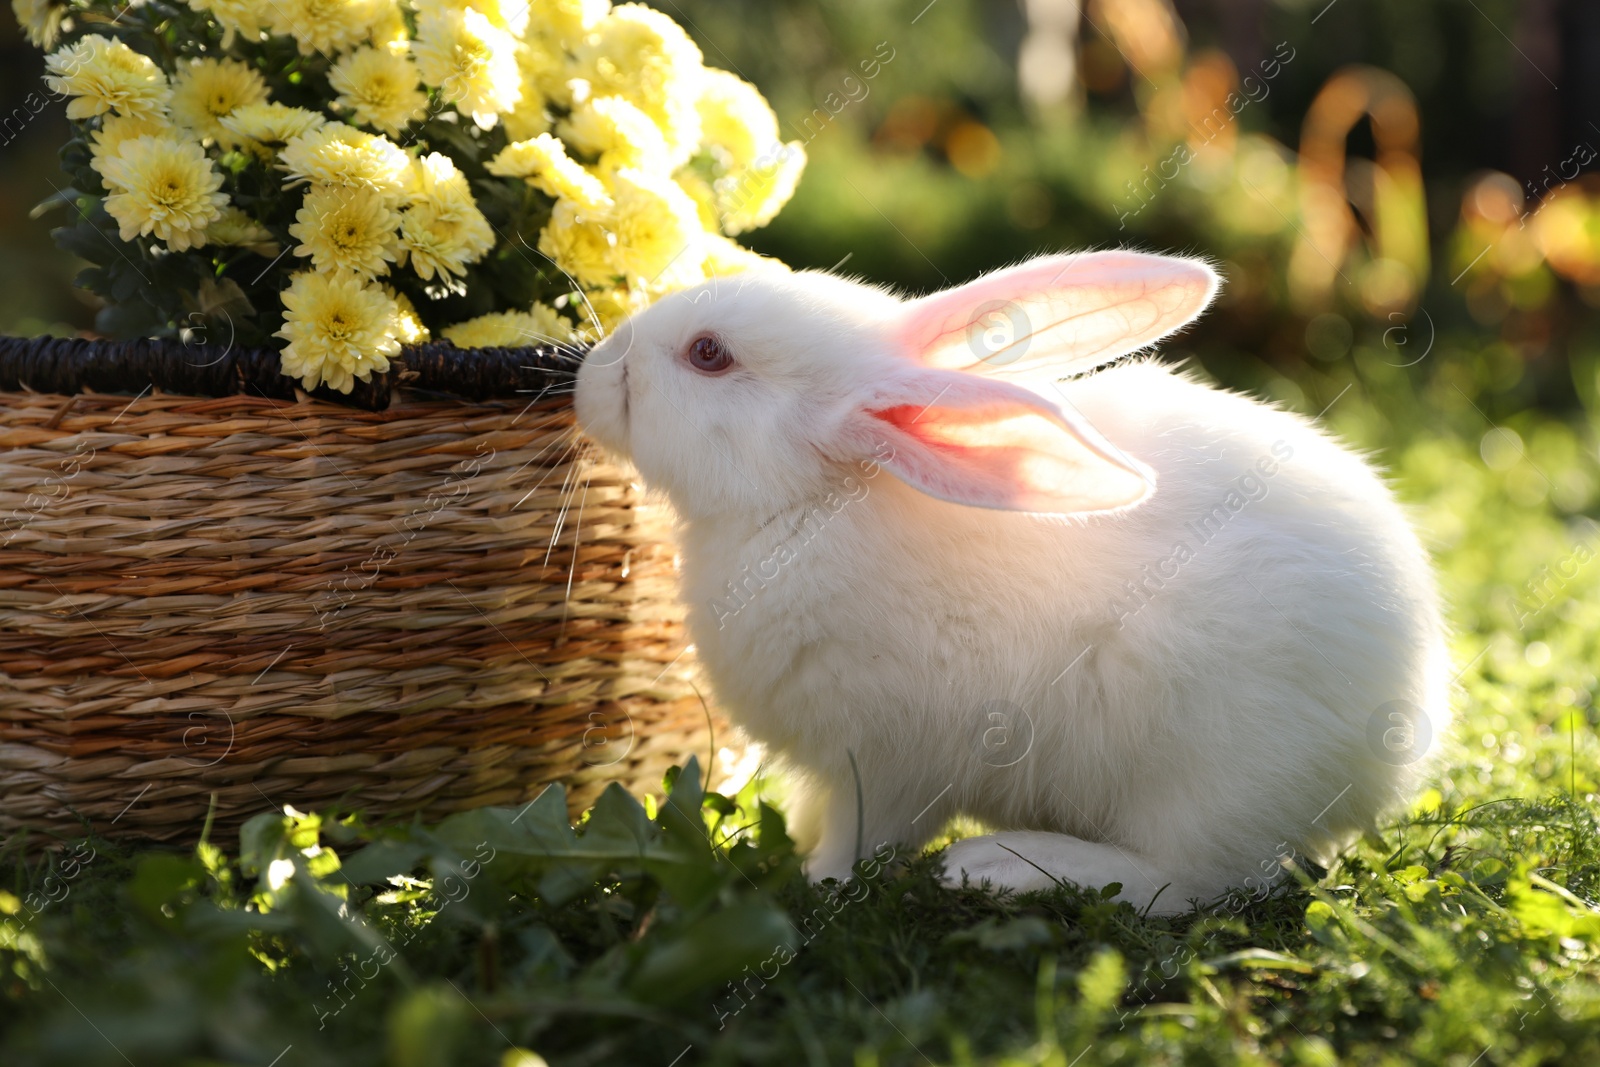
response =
{"points": [[162, 880], [618, 824], [382, 860], [713, 949]]}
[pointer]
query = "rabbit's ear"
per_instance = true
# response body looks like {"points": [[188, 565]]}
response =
{"points": [[991, 444], [1056, 315]]}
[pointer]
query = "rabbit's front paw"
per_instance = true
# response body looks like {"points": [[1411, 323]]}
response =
{"points": [[987, 859], [1025, 860], [822, 868]]}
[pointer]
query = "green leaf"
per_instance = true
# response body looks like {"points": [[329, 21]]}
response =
{"points": [[86, 241], [261, 840], [222, 299], [1261, 959], [125, 321], [618, 825], [1102, 981], [162, 879], [1323, 921], [56, 199], [126, 283], [428, 1027], [325, 926], [382, 859], [1546, 909], [997, 935], [95, 279], [713, 949]]}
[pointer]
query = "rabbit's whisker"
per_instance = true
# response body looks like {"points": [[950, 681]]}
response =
{"points": [[567, 439], [561, 516], [600, 333], [577, 538]]}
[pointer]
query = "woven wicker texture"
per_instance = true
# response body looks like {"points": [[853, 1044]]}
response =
{"points": [[434, 607]]}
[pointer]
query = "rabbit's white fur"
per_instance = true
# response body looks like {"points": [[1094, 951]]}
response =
{"points": [[1122, 710]]}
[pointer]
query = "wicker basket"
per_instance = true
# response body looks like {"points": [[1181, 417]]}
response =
{"points": [[430, 606]]}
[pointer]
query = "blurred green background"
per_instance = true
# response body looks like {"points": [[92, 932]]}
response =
{"points": [[1383, 183]]}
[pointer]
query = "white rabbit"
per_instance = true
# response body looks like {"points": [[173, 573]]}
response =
{"points": [[1153, 632]]}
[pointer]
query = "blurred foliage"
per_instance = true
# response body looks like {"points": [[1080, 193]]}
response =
{"points": [[1346, 164]]}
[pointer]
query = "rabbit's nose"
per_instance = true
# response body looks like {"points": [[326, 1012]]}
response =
{"points": [[615, 348], [601, 402]]}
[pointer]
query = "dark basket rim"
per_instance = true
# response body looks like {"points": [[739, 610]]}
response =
{"points": [[71, 365]]}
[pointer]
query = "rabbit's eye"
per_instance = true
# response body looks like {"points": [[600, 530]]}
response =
{"points": [[707, 355]]}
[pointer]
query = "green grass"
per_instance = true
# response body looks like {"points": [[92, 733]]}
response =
{"points": [[1466, 935]]}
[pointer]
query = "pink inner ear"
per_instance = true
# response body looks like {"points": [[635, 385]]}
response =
{"points": [[1056, 314], [1003, 455]]}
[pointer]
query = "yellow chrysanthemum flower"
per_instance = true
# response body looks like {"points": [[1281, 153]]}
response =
{"points": [[349, 229], [471, 61], [567, 22], [704, 197], [658, 231], [271, 123], [735, 117], [434, 245], [552, 326], [338, 328], [546, 72], [611, 307], [234, 229], [380, 87], [751, 196], [725, 257], [436, 179], [508, 15], [408, 326], [442, 230], [234, 16], [336, 154], [618, 134], [578, 241], [115, 131], [544, 163], [208, 90], [325, 26], [529, 118], [105, 75], [391, 32], [40, 20], [541, 324], [643, 56], [166, 187]]}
